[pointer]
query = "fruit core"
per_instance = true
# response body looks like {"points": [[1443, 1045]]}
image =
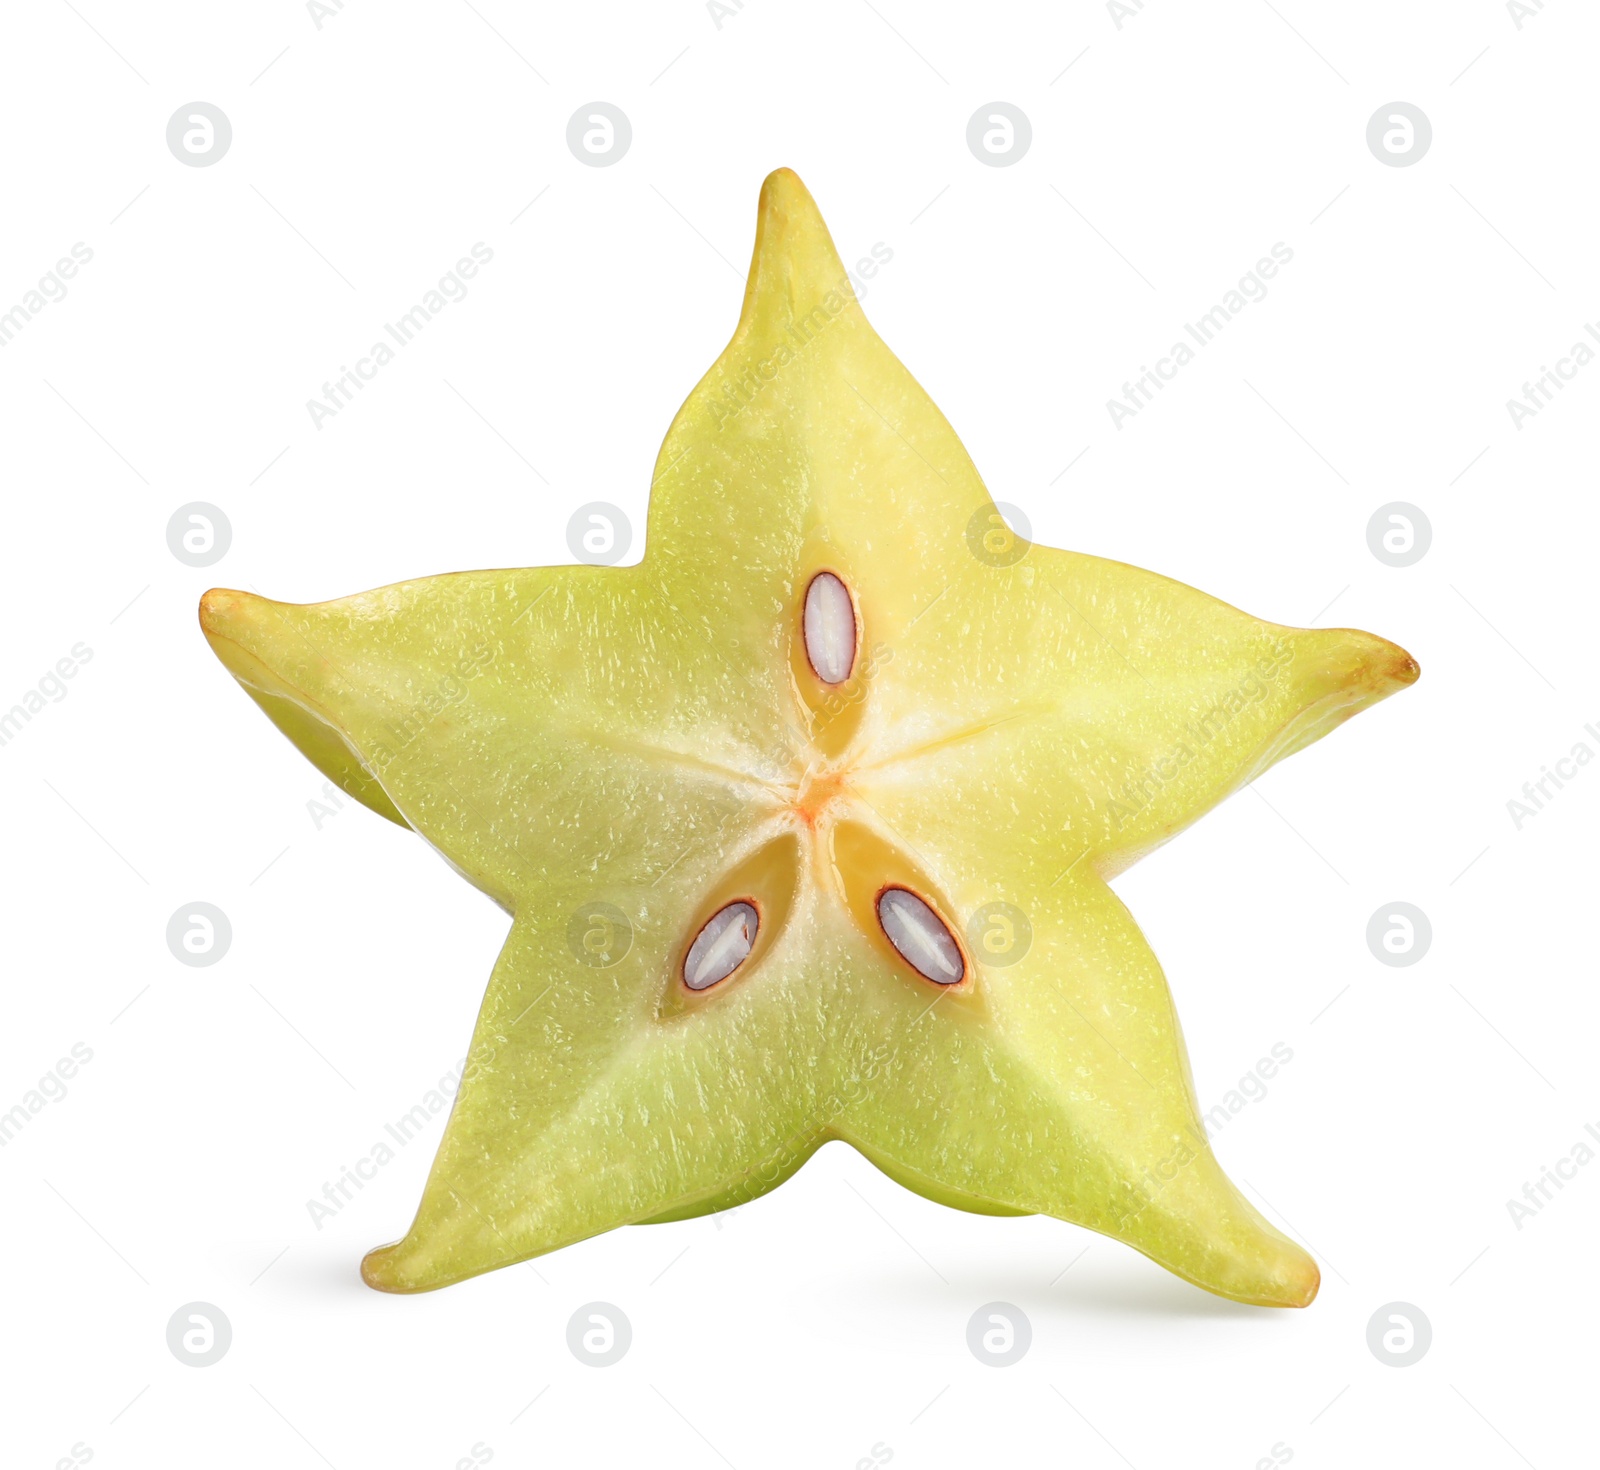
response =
{"points": [[848, 856]]}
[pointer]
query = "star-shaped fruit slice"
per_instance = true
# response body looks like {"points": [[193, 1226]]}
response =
{"points": [[805, 822]]}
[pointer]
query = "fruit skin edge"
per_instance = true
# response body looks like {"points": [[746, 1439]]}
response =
{"points": [[330, 751]]}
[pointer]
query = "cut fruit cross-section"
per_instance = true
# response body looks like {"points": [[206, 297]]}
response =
{"points": [[747, 799]]}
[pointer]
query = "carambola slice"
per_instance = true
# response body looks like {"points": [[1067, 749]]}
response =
{"points": [[805, 822]]}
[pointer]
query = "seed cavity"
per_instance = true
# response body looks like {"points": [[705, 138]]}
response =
{"points": [[921, 937], [830, 628], [721, 946]]}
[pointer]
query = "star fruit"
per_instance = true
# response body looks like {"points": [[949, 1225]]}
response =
{"points": [[805, 822]]}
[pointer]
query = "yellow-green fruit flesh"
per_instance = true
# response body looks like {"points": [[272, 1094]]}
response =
{"points": [[653, 738]]}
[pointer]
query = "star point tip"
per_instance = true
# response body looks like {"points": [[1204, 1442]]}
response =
{"points": [[795, 267], [218, 608], [376, 1270], [1300, 1286], [1352, 659], [783, 183], [1385, 665]]}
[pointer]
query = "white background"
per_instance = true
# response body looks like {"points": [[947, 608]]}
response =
{"points": [[830, 1317]]}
